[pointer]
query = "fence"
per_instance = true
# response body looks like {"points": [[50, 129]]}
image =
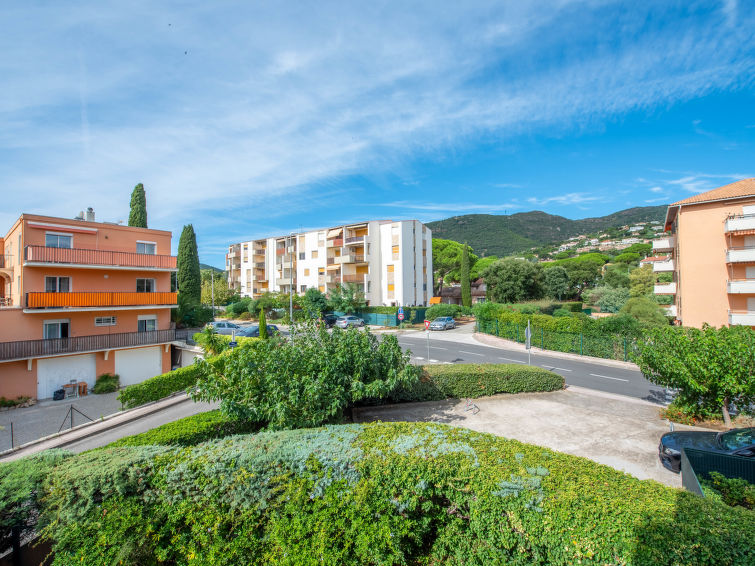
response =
{"points": [[609, 347], [700, 463], [414, 315]]}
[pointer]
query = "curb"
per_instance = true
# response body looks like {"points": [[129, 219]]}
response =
{"points": [[495, 341], [85, 430]]}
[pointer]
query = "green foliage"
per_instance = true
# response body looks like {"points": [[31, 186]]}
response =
{"points": [[732, 491], [616, 276], [106, 383], [469, 381], [513, 280], [212, 280], [381, 493], [242, 305], [584, 271], [628, 258], [189, 278], [607, 298], [137, 215], [645, 310], [481, 265], [561, 312], [348, 298], [190, 313], [466, 289], [711, 368], [642, 250], [641, 281], [447, 257], [189, 431], [263, 325], [314, 302], [213, 343], [556, 282], [20, 400], [160, 386], [21, 483], [307, 381], [442, 309]]}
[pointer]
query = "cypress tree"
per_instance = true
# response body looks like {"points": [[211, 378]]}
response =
{"points": [[263, 324], [189, 278], [466, 290], [138, 214]]}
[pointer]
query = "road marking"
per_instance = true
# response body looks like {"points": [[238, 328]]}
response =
{"points": [[512, 360], [470, 353], [438, 348], [608, 377], [554, 367]]}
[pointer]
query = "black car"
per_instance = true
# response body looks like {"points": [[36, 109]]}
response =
{"points": [[254, 331], [737, 442], [329, 320]]}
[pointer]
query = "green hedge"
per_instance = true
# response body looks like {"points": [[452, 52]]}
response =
{"points": [[160, 386], [462, 381], [443, 310], [190, 430], [380, 493]]}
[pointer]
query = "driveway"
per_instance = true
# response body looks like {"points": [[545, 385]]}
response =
{"points": [[609, 429]]}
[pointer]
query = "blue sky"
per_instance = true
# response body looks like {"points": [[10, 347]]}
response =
{"points": [[254, 119]]}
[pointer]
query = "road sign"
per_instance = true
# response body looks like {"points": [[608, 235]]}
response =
{"points": [[528, 336], [232, 344], [427, 325], [401, 313]]}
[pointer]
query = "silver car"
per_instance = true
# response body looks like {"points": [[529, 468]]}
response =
{"points": [[227, 328], [443, 323], [346, 321]]}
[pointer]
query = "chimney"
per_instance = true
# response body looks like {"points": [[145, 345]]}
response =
{"points": [[79, 216], [90, 214]]}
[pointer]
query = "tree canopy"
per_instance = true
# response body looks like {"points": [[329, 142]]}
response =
{"points": [[513, 280], [189, 278], [466, 290], [556, 282], [137, 216], [447, 262]]}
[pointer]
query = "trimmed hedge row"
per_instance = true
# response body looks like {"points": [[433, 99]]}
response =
{"points": [[380, 493], [160, 386], [462, 381]]}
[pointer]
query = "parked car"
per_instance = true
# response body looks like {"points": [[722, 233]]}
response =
{"points": [[254, 331], [329, 320], [227, 328], [349, 320], [443, 323], [737, 442]]}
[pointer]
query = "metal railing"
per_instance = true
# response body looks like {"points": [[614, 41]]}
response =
{"points": [[78, 256], [37, 348], [698, 464], [354, 240], [98, 299]]}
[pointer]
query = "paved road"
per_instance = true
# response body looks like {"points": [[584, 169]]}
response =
{"points": [[592, 375]]}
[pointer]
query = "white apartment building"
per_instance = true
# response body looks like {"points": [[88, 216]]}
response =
{"points": [[391, 262]]}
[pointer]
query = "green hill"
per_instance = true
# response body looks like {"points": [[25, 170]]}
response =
{"points": [[500, 235], [203, 266]]}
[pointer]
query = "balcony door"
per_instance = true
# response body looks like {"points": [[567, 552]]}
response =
{"points": [[56, 329], [57, 284]]}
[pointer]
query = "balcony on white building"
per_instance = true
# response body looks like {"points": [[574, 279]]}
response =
{"points": [[667, 265], [741, 222], [746, 286], [284, 281], [745, 318], [741, 255], [665, 288], [671, 310], [664, 244]]}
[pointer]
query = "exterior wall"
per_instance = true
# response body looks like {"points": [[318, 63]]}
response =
{"points": [[701, 269], [17, 381]]}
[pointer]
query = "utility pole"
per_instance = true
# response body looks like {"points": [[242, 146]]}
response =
{"points": [[212, 289], [291, 286]]}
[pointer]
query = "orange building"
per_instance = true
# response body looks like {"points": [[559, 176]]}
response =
{"points": [[80, 298], [711, 250]]}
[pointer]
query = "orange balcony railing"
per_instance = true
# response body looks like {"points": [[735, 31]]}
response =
{"points": [[76, 256], [98, 299]]}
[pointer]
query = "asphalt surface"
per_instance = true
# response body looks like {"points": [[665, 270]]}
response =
{"points": [[591, 375]]}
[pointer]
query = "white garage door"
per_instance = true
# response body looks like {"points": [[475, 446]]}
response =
{"points": [[52, 373], [134, 366]]}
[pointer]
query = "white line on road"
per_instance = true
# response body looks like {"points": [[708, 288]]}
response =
{"points": [[608, 377], [554, 367], [512, 360], [438, 348], [470, 353]]}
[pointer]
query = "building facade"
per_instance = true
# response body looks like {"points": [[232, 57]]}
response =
{"points": [[710, 247], [80, 298], [391, 262]]}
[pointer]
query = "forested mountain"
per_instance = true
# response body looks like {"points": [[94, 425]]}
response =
{"points": [[499, 235]]}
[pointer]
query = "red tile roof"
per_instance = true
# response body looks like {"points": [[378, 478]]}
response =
{"points": [[743, 188]]}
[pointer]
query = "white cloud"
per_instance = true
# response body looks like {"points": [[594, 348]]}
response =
{"points": [[656, 189], [566, 199], [465, 207]]}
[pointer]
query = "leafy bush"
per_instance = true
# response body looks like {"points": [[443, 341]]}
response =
{"points": [[307, 381], [442, 310], [106, 383], [463, 381], [381, 493], [190, 430], [561, 312], [20, 400], [213, 343], [160, 386], [732, 491]]}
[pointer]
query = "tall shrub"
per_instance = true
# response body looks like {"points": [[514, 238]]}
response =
{"points": [[263, 324], [466, 290], [189, 277], [137, 216]]}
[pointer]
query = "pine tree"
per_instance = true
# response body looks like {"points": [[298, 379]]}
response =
{"points": [[466, 291], [138, 214], [263, 324], [189, 278]]}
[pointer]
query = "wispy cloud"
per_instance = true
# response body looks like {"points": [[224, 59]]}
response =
{"points": [[453, 207], [566, 199]]}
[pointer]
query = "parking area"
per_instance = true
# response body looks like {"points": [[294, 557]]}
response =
{"points": [[609, 429]]}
